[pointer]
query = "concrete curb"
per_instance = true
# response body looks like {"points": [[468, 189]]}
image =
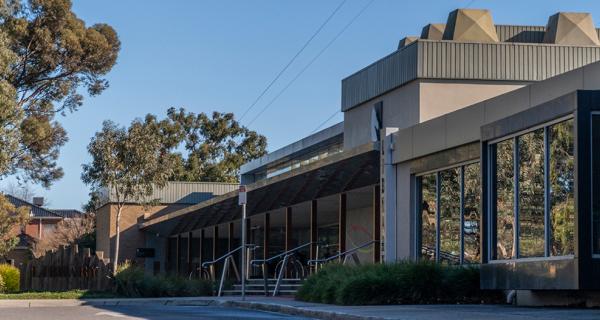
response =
{"points": [[101, 302], [252, 305], [294, 311]]}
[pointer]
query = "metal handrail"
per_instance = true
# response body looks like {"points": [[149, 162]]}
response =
{"points": [[341, 254], [223, 257], [283, 254]]}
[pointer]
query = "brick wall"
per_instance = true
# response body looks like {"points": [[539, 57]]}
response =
{"points": [[131, 237]]}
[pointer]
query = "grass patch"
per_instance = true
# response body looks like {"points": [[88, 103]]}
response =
{"points": [[72, 294], [399, 283]]}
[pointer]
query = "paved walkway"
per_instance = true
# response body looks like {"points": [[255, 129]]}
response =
{"points": [[323, 311], [411, 312]]}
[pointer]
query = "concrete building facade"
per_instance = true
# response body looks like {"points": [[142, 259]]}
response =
{"points": [[471, 144]]}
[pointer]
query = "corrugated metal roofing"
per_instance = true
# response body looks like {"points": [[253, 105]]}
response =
{"points": [[185, 192], [520, 56]]}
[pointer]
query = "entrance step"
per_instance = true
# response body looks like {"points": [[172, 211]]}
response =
{"points": [[288, 287]]}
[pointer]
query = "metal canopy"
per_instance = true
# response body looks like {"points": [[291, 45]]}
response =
{"points": [[338, 173]]}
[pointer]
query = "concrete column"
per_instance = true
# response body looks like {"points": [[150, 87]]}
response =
{"points": [[200, 256], [389, 210], [231, 237], [267, 235], [313, 229], [189, 253], [342, 223], [288, 228], [376, 225], [215, 242], [177, 253]]}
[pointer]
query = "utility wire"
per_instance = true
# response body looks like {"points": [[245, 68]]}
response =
{"points": [[312, 61], [337, 111], [324, 122], [293, 59]]}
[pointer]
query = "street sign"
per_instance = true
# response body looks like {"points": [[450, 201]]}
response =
{"points": [[242, 195]]}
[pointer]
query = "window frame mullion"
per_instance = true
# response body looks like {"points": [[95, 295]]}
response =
{"points": [[547, 193], [516, 175], [462, 215]]}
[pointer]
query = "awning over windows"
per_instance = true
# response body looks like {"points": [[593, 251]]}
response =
{"points": [[338, 173]]}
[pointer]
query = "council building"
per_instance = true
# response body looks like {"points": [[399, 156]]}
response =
{"points": [[472, 143]]}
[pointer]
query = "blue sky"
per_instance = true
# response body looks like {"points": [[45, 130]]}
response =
{"points": [[219, 55]]}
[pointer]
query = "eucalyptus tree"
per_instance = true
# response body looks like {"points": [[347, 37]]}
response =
{"points": [[129, 163], [215, 145], [47, 57]]}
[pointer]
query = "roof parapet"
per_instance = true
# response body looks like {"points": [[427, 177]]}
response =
{"points": [[470, 25], [433, 31], [571, 28], [406, 41]]}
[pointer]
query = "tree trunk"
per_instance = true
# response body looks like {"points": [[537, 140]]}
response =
{"points": [[117, 238]]}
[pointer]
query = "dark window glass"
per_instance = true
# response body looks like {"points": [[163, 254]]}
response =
{"points": [[472, 212], [428, 216], [531, 194], [505, 199], [596, 183], [450, 216], [562, 211]]}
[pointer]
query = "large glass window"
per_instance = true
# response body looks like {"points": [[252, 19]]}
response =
{"points": [[534, 176], [531, 194], [505, 217], [472, 213], [450, 238], [562, 173], [450, 215], [428, 216]]}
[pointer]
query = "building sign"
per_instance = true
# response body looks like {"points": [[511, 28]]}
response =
{"points": [[242, 195], [144, 253]]}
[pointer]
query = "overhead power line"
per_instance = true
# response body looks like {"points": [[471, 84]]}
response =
{"points": [[362, 10], [324, 122], [293, 59]]}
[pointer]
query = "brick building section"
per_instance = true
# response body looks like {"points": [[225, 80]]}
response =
{"points": [[131, 237]]}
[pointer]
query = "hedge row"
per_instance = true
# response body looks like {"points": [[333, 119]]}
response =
{"points": [[132, 281], [400, 283]]}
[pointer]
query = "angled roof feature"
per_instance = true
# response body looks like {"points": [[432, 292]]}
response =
{"points": [[406, 41], [470, 25], [68, 213], [433, 31], [36, 212], [571, 28]]}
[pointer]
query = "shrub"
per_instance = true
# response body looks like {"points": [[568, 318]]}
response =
{"points": [[2, 285], [399, 283], [11, 277], [132, 281]]}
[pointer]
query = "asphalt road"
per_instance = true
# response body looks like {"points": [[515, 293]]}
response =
{"points": [[139, 312]]}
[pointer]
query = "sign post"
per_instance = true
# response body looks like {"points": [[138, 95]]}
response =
{"points": [[242, 201]]}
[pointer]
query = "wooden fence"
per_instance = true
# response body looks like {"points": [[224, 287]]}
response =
{"points": [[65, 269]]}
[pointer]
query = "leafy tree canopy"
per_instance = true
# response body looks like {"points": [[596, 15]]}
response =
{"points": [[46, 55], [215, 146], [129, 163], [11, 219]]}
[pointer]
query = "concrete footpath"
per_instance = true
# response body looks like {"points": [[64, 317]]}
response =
{"points": [[332, 312]]}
